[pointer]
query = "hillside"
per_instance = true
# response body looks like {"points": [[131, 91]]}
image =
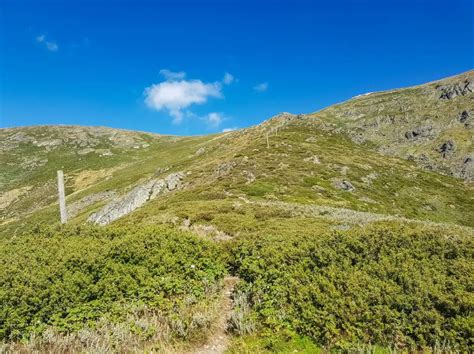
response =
{"points": [[329, 191], [430, 124]]}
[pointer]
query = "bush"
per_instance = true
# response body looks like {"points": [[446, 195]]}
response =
{"points": [[75, 277], [397, 286]]}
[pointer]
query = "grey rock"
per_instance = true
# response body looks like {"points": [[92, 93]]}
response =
{"points": [[420, 132], [74, 208], [225, 168], [446, 148], [467, 169], [200, 151], [463, 88], [465, 118], [173, 181], [136, 198], [344, 185]]}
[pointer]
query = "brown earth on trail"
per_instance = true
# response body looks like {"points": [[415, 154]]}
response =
{"points": [[219, 339]]}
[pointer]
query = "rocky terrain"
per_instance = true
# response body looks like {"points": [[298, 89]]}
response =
{"points": [[429, 124]]}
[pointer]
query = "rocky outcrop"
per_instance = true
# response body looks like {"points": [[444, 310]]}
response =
{"points": [[420, 132], [446, 148], [457, 89], [136, 198], [465, 118], [74, 208]]}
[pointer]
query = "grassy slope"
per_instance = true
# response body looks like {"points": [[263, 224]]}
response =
{"points": [[238, 185], [383, 185]]}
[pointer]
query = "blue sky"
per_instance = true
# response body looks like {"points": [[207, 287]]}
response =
{"points": [[161, 66]]}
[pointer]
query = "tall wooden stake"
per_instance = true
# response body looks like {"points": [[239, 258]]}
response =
{"points": [[268, 143], [62, 197]]}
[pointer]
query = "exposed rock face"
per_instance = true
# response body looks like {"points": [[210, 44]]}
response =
{"points": [[136, 198], [74, 208], [458, 89]]}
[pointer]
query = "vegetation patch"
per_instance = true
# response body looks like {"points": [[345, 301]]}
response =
{"points": [[405, 287], [75, 279]]}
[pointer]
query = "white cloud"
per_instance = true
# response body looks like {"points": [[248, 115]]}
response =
{"points": [[172, 75], [174, 96], [262, 87], [228, 79], [226, 130], [214, 119], [49, 45]]}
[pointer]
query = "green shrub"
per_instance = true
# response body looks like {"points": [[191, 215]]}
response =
{"points": [[390, 285], [71, 278]]}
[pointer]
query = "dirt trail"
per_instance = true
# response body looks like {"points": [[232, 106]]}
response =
{"points": [[219, 339]]}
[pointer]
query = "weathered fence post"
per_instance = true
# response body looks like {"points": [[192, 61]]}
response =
{"points": [[62, 197], [268, 142]]}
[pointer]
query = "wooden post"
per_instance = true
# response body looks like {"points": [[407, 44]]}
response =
{"points": [[62, 197], [268, 143]]}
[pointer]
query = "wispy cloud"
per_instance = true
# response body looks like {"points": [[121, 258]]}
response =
{"points": [[49, 45], [175, 94], [214, 119], [172, 75], [262, 87], [228, 79]]}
